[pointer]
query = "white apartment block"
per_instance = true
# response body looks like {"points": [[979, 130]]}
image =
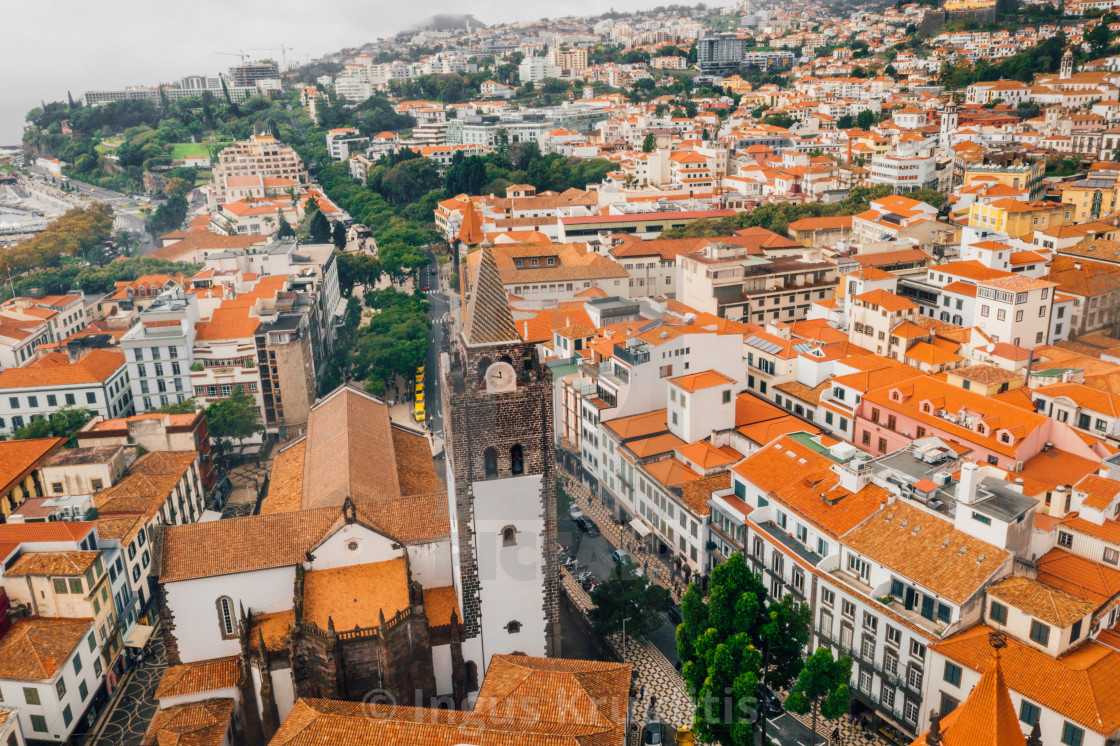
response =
{"points": [[97, 381], [159, 350]]}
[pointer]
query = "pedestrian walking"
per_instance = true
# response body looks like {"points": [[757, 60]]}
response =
{"points": [[641, 692], [836, 734]]}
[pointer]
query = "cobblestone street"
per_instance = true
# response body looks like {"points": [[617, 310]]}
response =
{"points": [[657, 570], [132, 712], [654, 672]]}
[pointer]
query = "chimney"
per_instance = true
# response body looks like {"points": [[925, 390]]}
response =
{"points": [[970, 480]]}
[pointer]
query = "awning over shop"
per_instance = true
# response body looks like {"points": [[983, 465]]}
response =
{"points": [[639, 528], [139, 636]]}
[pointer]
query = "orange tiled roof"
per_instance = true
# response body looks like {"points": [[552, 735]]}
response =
{"points": [[55, 369], [1080, 686], [1051, 605], [986, 718], [703, 380], [572, 702], [35, 648], [18, 458], [928, 550], [638, 425], [886, 299], [1081, 577], [1099, 491], [334, 593], [798, 477], [200, 676], [202, 723], [52, 563]]}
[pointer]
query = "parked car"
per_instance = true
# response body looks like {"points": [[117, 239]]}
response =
{"points": [[574, 512], [768, 702], [673, 613], [622, 557], [587, 525], [651, 734]]}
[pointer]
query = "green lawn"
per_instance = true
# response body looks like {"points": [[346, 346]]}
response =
{"points": [[182, 150]]}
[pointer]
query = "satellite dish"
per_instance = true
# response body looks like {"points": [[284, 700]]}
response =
{"points": [[991, 347]]}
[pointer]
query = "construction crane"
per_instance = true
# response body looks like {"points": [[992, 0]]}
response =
{"points": [[283, 50], [240, 55]]}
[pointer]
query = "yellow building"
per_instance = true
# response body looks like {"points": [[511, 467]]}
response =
{"points": [[1016, 218], [1091, 198], [19, 470], [1017, 175]]}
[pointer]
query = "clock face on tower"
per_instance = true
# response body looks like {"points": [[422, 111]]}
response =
{"points": [[500, 378]]}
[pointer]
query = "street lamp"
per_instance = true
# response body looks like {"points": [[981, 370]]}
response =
{"points": [[624, 621]]}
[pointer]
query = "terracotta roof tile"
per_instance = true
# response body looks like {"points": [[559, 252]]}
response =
{"points": [[928, 550], [986, 718], [35, 648], [798, 477], [356, 595], [53, 563], [1079, 576], [1099, 491], [1079, 686], [1051, 605], [573, 703], [285, 488], [55, 369], [18, 458], [200, 676], [202, 723]]}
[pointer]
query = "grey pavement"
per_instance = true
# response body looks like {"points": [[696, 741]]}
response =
{"points": [[130, 714]]}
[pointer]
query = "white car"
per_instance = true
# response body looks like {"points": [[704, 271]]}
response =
{"points": [[574, 512]]}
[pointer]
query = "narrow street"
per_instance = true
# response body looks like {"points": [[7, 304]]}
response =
{"points": [[131, 712]]}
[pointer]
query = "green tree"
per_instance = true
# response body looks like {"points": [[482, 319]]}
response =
{"points": [[630, 596], [822, 687], [649, 144], [782, 641], [929, 196], [125, 240], [187, 406], [234, 417], [319, 228], [865, 119], [65, 423], [718, 644], [356, 268], [168, 217], [338, 235], [285, 229], [1097, 38], [783, 120]]}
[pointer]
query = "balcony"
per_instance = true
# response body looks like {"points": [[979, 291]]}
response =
{"points": [[781, 536], [869, 662], [636, 355]]}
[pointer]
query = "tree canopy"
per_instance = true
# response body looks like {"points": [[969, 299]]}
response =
{"points": [[65, 423], [234, 417], [630, 596], [731, 643]]}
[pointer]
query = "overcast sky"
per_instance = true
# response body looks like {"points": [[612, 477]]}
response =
{"points": [[52, 46]]}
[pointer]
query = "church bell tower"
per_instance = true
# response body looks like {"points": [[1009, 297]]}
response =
{"points": [[497, 403]]}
